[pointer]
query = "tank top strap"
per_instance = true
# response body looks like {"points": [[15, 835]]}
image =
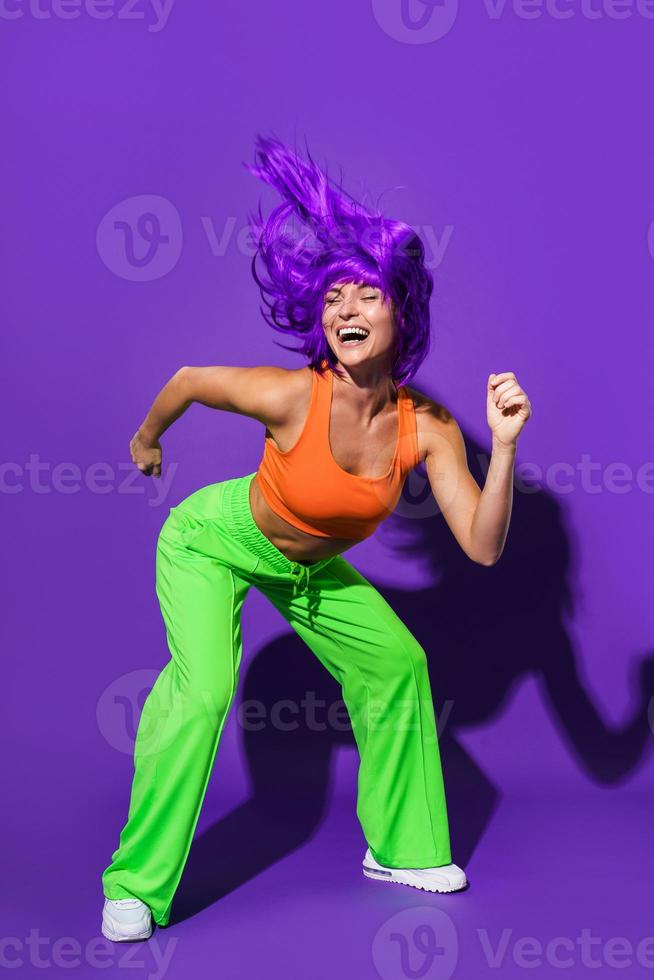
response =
{"points": [[317, 422], [408, 431]]}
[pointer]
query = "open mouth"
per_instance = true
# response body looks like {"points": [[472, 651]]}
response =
{"points": [[351, 336]]}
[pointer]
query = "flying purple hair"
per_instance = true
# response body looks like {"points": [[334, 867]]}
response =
{"points": [[343, 242]]}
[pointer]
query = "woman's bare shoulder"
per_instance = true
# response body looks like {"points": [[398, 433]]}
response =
{"points": [[264, 392], [434, 422], [288, 390]]}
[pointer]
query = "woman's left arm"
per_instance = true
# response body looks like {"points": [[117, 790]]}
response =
{"points": [[479, 519]]}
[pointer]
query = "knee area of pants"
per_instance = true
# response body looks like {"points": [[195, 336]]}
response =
{"points": [[406, 664], [206, 702]]}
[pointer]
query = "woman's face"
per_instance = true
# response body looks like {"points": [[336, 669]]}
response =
{"points": [[349, 305]]}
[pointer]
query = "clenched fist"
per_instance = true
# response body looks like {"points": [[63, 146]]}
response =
{"points": [[146, 455], [507, 407]]}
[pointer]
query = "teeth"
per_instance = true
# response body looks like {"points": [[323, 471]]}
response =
{"points": [[357, 330]]}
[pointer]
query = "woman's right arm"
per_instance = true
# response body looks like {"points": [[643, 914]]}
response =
{"points": [[263, 393]]}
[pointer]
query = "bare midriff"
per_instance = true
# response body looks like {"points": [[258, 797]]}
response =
{"points": [[295, 544]]}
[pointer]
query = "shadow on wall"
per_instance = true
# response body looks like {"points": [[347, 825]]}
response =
{"points": [[522, 602]]}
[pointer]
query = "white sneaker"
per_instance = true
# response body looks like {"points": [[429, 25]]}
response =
{"points": [[126, 919], [447, 878]]}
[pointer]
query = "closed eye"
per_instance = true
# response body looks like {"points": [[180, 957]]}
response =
{"points": [[333, 299]]}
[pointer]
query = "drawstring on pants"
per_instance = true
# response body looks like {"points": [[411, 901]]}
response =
{"points": [[300, 574]]}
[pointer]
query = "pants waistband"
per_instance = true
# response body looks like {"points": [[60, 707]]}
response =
{"points": [[238, 518]]}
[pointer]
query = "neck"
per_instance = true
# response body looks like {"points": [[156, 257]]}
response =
{"points": [[367, 388]]}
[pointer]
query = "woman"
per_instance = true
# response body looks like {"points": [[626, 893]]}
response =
{"points": [[342, 433]]}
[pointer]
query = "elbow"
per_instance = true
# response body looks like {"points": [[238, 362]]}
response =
{"points": [[487, 562], [485, 557], [182, 378], [479, 557]]}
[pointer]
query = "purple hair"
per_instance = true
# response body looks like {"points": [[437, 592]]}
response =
{"points": [[342, 241]]}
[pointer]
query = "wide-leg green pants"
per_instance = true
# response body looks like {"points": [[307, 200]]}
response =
{"points": [[209, 553]]}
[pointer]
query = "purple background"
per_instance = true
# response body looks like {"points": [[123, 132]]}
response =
{"points": [[523, 145]]}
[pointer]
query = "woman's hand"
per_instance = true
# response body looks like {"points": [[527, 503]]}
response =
{"points": [[146, 454], [507, 407]]}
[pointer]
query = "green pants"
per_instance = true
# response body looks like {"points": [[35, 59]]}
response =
{"points": [[209, 553]]}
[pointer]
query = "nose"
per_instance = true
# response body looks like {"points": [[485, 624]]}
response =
{"points": [[349, 308]]}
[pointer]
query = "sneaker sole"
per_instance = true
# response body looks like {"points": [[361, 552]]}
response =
{"points": [[389, 876], [110, 934]]}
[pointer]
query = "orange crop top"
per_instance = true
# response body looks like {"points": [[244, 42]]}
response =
{"points": [[306, 487]]}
